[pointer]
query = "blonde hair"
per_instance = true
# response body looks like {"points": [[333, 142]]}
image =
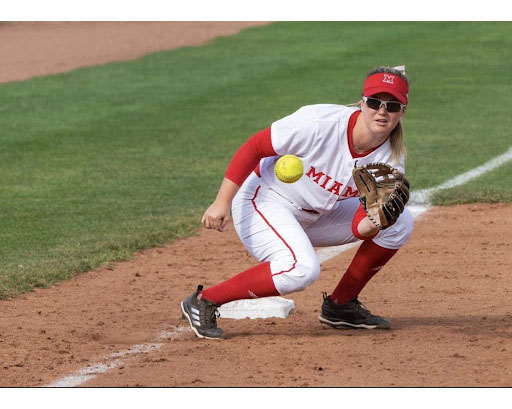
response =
{"points": [[396, 137]]}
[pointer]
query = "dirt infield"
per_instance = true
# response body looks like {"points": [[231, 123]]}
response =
{"points": [[447, 292]]}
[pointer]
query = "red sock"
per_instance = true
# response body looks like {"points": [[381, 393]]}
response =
{"points": [[369, 259], [255, 282]]}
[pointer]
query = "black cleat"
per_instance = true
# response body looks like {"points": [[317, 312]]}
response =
{"points": [[202, 316], [352, 314]]}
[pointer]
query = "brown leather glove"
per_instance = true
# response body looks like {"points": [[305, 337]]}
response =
{"points": [[383, 192]]}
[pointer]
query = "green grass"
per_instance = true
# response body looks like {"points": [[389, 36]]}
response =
{"points": [[492, 187], [103, 161]]}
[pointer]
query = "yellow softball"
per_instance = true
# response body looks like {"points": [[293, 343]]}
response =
{"points": [[289, 168]]}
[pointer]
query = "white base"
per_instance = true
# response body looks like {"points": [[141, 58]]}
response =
{"points": [[270, 307]]}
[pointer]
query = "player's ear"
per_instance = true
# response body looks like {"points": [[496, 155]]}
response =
{"points": [[403, 112]]}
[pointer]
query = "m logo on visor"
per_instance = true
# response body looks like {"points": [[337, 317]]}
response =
{"points": [[389, 79]]}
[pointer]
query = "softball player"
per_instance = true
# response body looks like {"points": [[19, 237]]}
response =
{"points": [[280, 224]]}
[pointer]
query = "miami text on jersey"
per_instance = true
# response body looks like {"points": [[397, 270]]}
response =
{"points": [[334, 186]]}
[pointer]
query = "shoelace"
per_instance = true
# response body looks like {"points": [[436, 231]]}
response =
{"points": [[209, 315], [360, 307]]}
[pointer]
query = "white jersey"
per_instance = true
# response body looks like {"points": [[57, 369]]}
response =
{"points": [[318, 135]]}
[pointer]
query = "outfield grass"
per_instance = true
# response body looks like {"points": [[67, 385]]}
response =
{"points": [[103, 161]]}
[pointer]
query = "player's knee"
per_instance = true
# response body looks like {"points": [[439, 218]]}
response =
{"points": [[398, 234], [307, 273], [301, 274]]}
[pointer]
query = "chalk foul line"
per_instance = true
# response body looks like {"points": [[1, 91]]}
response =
{"points": [[115, 360], [422, 197]]}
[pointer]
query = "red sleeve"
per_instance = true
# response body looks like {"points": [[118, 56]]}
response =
{"points": [[249, 155], [360, 215]]}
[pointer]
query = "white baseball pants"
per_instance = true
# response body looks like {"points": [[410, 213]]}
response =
{"points": [[272, 229]]}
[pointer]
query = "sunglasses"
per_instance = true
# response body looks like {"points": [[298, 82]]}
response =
{"points": [[391, 106]]}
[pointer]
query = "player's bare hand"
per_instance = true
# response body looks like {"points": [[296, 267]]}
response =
{"points": [[367, 228], [217, 216]]}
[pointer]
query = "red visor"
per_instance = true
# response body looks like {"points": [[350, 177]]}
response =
{"points": [[386, 82]]}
